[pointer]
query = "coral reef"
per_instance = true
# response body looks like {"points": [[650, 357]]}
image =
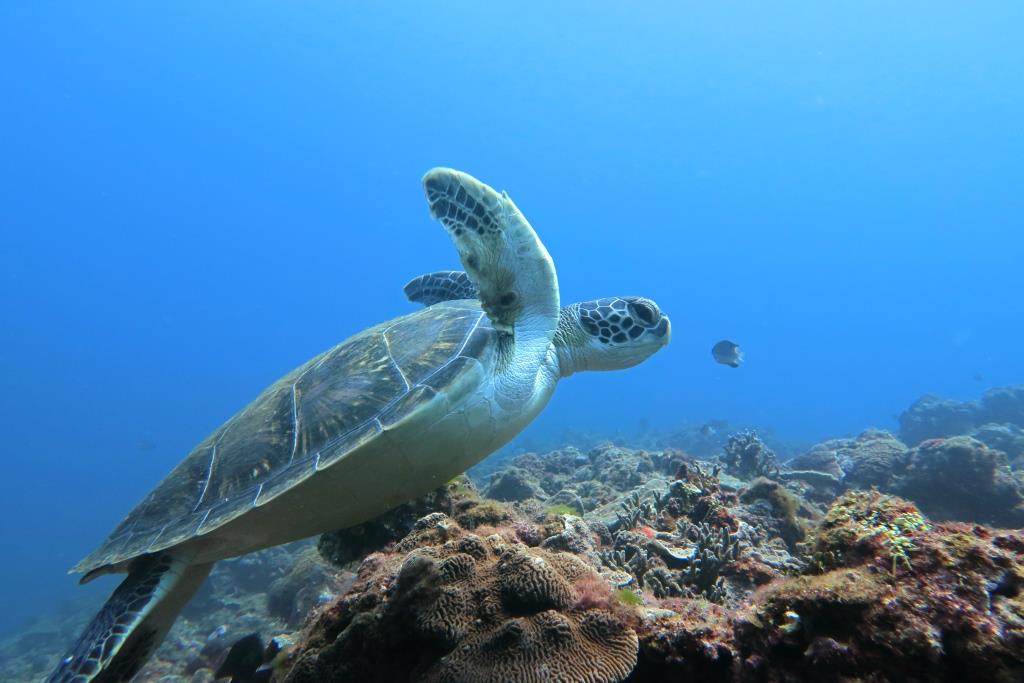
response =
{"points": [[747, 456], [874, 458], [893, 598], [1008, 438], [515, 483], [885, 594], [956, 478], [634, 564], [680, 541], [786, 507], [352, 544], [961, 478], [451, 606], [997, 414], [307, 584], [707, 440], [932, 417], [897, 599], [581, 481]]}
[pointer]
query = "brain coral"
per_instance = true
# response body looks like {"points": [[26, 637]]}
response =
{"points": [[452, 607], [548, 646]]}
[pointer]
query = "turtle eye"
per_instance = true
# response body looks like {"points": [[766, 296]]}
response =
{"points": [[643, 312]]}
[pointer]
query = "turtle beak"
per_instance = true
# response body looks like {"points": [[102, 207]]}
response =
{"points": [[664, 330]]}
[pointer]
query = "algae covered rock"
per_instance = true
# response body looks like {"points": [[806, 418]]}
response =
{"points": [[963, 479], [1006, 437], [932, 417], [567, 498], [873, 458], [1003, 405], [955, 478], [515, 483], [896, 598], [786, 508], [822, 457]]}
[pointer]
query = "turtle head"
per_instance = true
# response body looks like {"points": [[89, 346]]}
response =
{"points": [[610, 334]]}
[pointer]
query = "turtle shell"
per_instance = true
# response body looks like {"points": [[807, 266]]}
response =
{"points": [[306, 421]]}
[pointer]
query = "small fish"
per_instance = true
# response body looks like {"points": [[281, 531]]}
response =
{"points": [[727, 353], [243, 660]]}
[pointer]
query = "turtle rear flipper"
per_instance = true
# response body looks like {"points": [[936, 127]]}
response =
{"points": [[133, 622], [444, 285]]}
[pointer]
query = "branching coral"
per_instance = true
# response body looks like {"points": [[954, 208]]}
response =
{"points": [[633, 512], [692, 473], [688, 561], [715, 549], [629, 554], [961, 478], [747, 456], [680, 498]]}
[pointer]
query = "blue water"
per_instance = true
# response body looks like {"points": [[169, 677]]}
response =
{"points": [[196, 199]]}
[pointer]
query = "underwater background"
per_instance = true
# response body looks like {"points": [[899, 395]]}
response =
{"points": [[196, 199]]}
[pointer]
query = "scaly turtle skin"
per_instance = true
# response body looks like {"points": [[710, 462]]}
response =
{"points": [[385, 416]]}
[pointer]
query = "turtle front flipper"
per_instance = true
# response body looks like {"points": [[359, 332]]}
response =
{"points": [[133, 622], [502, 254], [444, 285]]}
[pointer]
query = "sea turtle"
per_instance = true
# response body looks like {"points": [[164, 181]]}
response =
{"points": [[385, 416]]}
